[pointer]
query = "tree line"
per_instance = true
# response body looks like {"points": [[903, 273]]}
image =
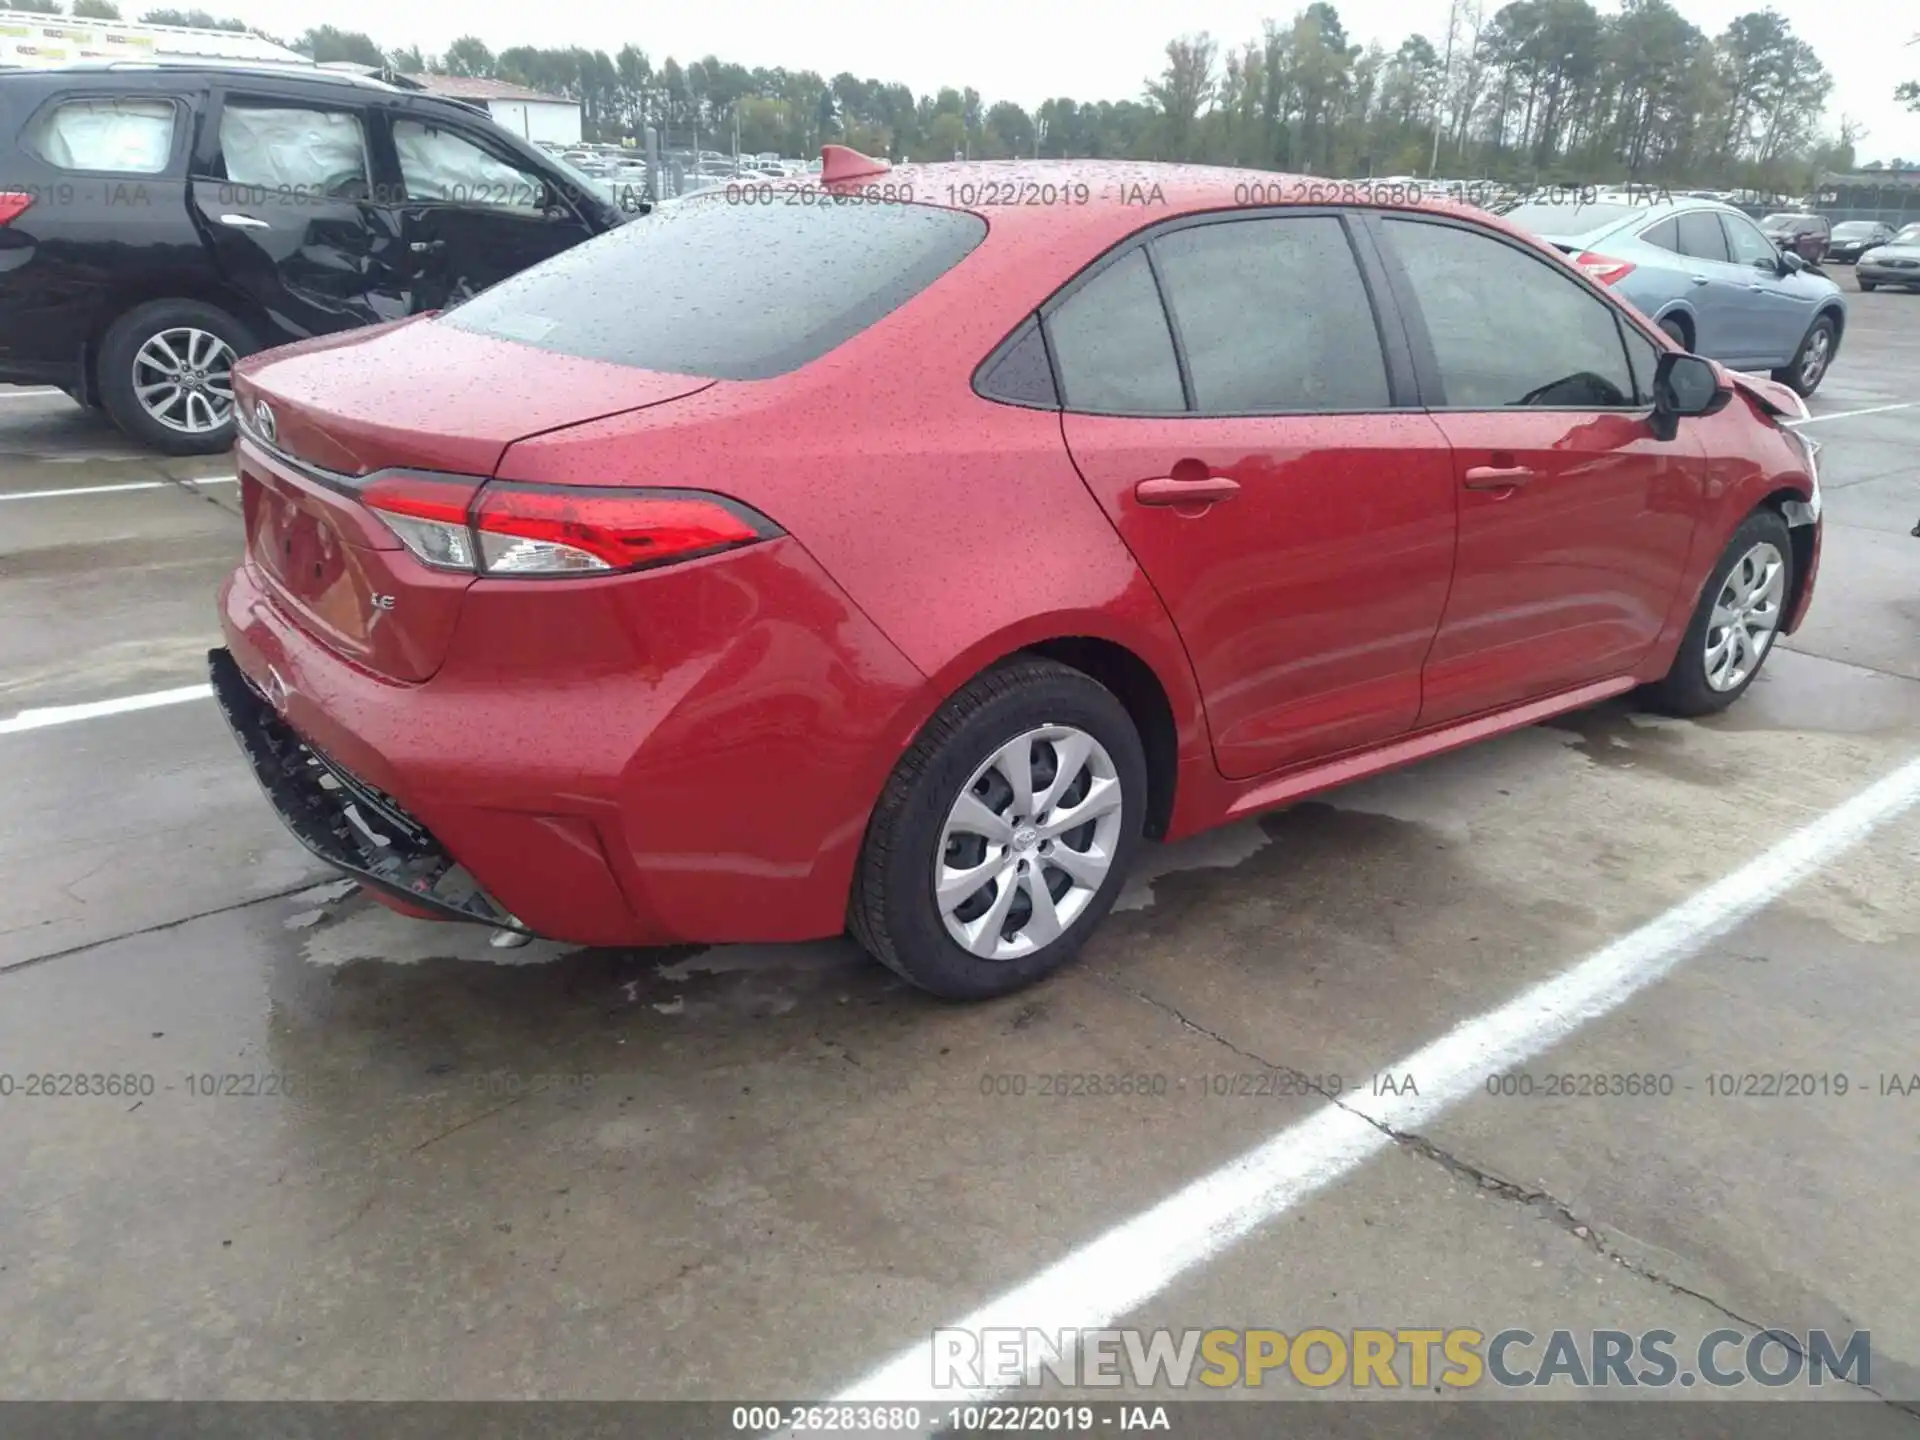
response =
{"points": [[1535, 91]]}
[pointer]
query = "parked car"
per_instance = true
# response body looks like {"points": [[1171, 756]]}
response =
{"points": [[1706, 275], [156, 222], [1895, 263], [1805, 234], [901, 573], [1851, 238]]}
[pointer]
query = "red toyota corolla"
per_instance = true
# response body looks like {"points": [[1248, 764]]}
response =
{"points": [[893, 556]]}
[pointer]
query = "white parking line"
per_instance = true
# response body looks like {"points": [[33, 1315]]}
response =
{"points": [[37, 392], [1849, 414], [94, 709], [128, 485], [1137, 1259]]}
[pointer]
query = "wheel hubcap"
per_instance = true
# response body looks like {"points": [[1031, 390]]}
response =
{"points": [[183, 378], [1029, 842], [1745, 616], [1816, 361]]}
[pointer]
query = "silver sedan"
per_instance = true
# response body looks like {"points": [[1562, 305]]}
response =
{"points": [[1706, 275]]}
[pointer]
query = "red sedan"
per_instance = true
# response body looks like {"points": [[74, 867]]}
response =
{"points": [[892, 555]]}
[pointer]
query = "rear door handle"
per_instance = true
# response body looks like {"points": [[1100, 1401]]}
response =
{"points": [[421, 247], [1497, 477], [1168, 491], [1699, 279], [244, 222]]}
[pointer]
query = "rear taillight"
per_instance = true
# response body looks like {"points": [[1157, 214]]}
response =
{"points": [[13, 205], [511, 529], [429, 514], [1603, 268]]}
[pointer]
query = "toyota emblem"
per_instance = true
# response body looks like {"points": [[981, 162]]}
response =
{"points": [[263, 422]]}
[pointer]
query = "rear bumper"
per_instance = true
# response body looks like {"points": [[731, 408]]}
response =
{"points": [[341, 818], [686, 755]]}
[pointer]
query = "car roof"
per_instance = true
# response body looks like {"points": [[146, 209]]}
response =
{"points": [[145, 75], [1121, 196]]}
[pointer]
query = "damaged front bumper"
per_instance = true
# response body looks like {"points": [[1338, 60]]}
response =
{"points": [[346, 822]]}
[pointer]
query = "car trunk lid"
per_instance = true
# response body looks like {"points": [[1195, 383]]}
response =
{"points": [[324, 420]]}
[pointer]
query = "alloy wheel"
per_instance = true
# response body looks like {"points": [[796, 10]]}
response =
{"points": [[183, 378], [1814, 363], [1745, 617], [1029, 842]]}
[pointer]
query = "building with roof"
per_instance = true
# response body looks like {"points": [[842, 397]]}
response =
{"points": [[530, 114], [38, 42]]}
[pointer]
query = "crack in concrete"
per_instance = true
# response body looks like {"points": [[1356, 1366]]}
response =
{"points": [[1545, 1205], [32, 960]]}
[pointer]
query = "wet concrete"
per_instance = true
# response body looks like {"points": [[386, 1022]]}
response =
{"points": [[371, 1157]]}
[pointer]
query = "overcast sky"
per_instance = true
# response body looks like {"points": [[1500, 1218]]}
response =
{"points": [[1030, 50]]}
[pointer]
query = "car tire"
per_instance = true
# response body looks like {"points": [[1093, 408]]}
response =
{"points": [[1754, 582], [1868, 285], [955, 777], [1676, 332], [1801, 374], [203, 341]]}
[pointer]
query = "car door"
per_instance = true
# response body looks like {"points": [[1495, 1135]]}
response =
{"points": [[1717, 286], [1269, 467], [285, 193], [1575, 521], [1780, 307], [474, 212]]}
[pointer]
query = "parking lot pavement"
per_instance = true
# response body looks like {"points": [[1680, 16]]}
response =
{"points": [[376, 1157]]}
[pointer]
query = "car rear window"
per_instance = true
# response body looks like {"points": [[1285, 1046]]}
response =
{"points": [[727, 291], [1546, 219]]}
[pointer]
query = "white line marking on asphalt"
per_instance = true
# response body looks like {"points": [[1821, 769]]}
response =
{"points": [[37, 392], [1135, 1260], [1849, 414], [94, 709], [129, 485]]}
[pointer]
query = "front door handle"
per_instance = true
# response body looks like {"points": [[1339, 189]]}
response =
{"points": [[244, 222], [421, 247], [1168, 491], [1698, 279], [1497, 477]]}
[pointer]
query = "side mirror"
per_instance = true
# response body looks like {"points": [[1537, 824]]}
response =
{"points": [[1683, 386], [1792, 262]]}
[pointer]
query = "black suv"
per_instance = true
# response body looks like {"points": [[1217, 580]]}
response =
{"points": [[158, 221]]}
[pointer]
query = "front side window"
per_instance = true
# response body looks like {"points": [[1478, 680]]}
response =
{"points": [[1747, 245], [1273, 316], [112, 136], [441, 164], [1702, 237], [1508, 329], [293, 151], [1112, 346]]}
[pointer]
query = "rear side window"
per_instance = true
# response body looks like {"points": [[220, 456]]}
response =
{"points": [[309, 154], [1508, 329], [729, 292], [1665, 235], [1273, 316], [1112, 345], [1701, 236], [105, 136]]}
